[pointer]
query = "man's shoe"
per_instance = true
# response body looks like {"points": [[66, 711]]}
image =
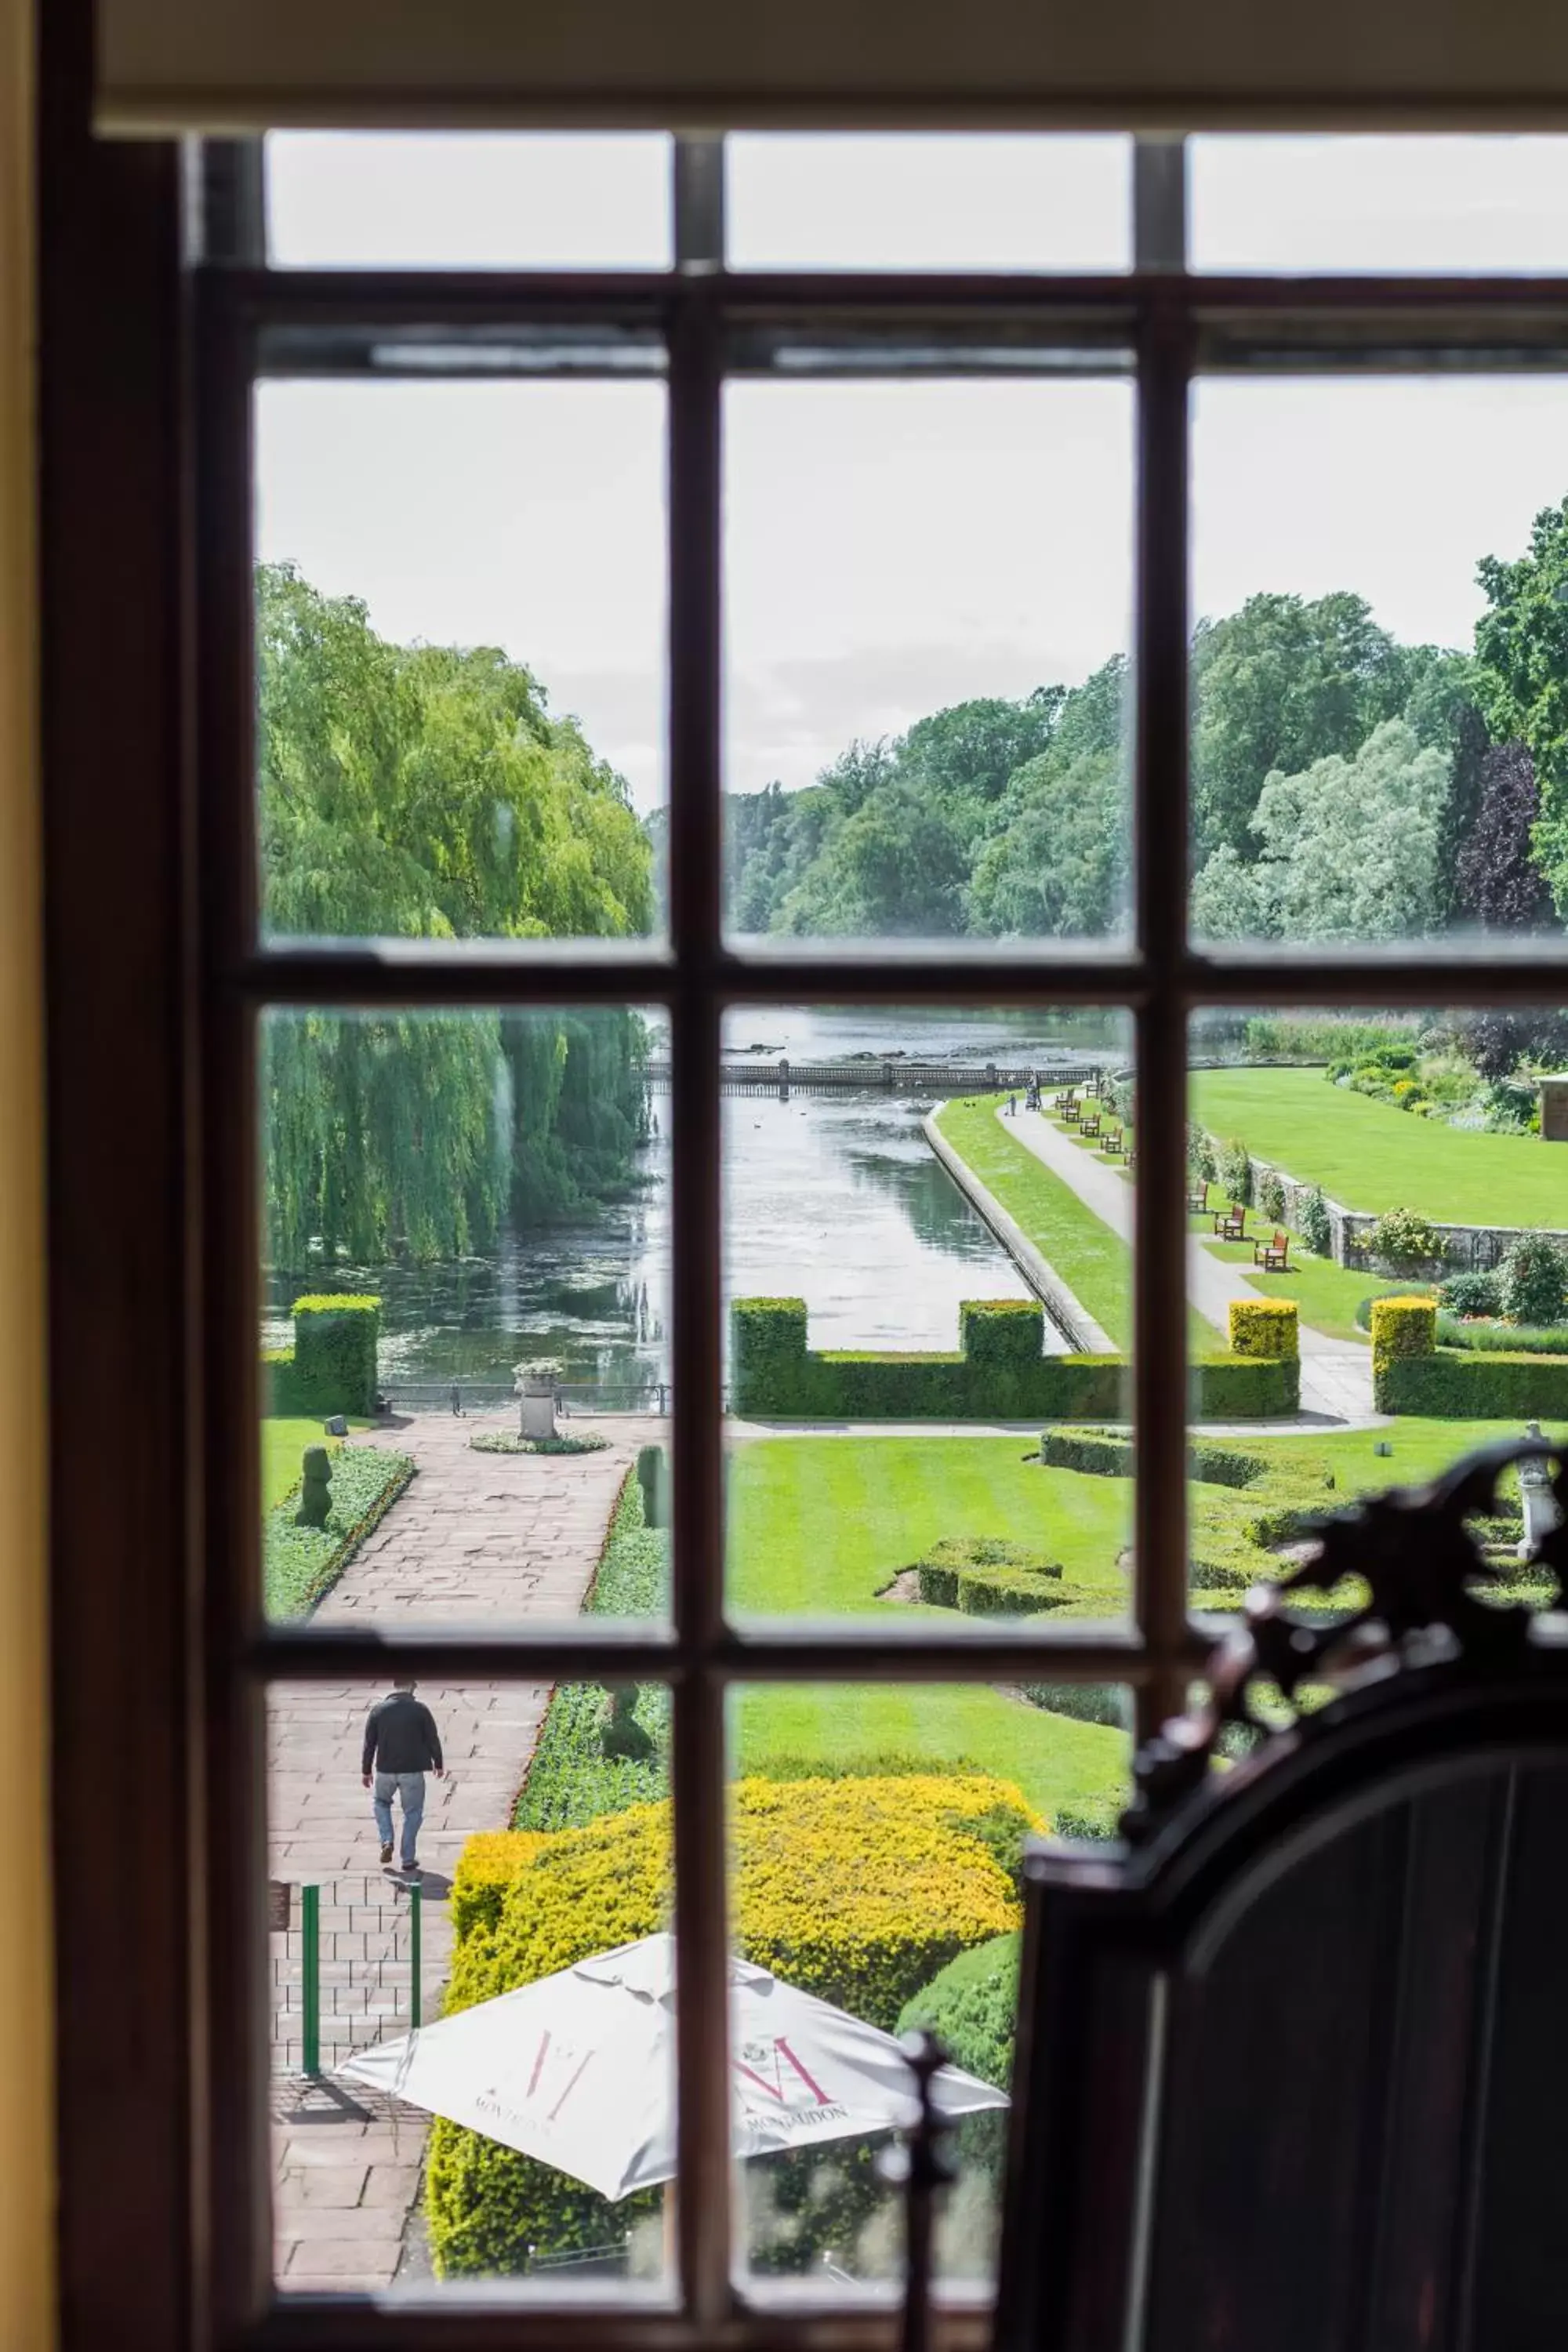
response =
{"points": [[412, 1870], [386, 1853]]}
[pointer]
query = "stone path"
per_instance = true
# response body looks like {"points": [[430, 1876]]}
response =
{"points": [[1336, 1379], [478, 1539]]}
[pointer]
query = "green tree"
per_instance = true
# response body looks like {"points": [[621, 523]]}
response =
{"points": [[1522, 657]]}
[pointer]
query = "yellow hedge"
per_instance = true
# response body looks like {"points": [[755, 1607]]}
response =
{"points": [[1264, 1327], [857, 1890], [1403, 1326]]}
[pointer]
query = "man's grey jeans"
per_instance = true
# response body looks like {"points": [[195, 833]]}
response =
{"points": [[410, 1788]]}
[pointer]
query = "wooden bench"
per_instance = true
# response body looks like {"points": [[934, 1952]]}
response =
{"points": [[1111, 1147], [1089, 1124], [1072, 1112], [1273, 1256], [1199, 1199], [1230, 1224]]}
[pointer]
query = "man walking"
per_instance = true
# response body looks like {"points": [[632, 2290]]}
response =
{"points": [[401, 1744]]}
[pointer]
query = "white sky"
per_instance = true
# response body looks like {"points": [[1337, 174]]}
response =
{"points": [[892, 547]]}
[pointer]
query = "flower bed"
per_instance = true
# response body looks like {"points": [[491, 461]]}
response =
{"points": [[302, 1564]]}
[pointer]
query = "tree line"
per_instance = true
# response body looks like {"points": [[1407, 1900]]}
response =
{"points": [[423, 791], [1345, 787]]}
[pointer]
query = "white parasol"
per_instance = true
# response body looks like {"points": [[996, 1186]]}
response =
{"points": [[579, 2069]]}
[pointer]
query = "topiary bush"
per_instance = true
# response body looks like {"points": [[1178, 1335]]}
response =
{"points": [[859, 1892], [1236, 1170], [1400, 1328], [1317, 1227], [335, 1338], [1533, 1280], [1404, 1238], [1265, 1329], [1004, 1334], [1472, 1294]]}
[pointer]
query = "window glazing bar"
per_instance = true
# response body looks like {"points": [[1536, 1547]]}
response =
{"points": [[1160, 203]]}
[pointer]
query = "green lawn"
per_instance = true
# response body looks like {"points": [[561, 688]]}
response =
{"points": [[282, 1443], [1370, 1156], [1095, 1264]]}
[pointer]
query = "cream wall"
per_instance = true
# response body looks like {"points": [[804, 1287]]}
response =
{"points": [[26, 2102]]}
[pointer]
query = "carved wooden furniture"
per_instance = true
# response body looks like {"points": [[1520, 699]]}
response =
{"points": [[1273, 1256], [1292, 2071]]}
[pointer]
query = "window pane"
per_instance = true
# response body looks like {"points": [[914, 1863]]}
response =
{"points": [[460, 621], [468, 1262], [841, 201], [1364, 1157], [876, 1839], [433, 199], [896, 1211], [1378, 570], [505, 2143], [926, 705], [1398, 202]]}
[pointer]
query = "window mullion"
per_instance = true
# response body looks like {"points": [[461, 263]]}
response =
{"points": [[695, 897], [1159, 1254]]}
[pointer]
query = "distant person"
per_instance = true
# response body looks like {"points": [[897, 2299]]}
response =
{"points": [[1011, 1105], [400, 1745]]}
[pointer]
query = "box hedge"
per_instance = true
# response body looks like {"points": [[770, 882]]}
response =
{"points": [[332, 1367], [1460, 1384], [1264, 1328], [1001, 1374], [859, 1891], [1100, 1454]]}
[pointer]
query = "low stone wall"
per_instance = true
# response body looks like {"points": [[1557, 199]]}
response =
{"points": [[1466, 1248]]}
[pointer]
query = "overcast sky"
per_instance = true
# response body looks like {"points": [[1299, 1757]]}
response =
{"points": [[892, 547]]}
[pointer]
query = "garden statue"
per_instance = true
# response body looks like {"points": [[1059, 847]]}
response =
{"points": [[536, 1386], [1541, 1512], [623, 1736], [315, 1488]]}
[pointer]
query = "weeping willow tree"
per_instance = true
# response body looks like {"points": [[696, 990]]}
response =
{"points": [[426, 793]]}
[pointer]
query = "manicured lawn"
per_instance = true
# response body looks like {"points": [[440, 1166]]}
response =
{"points": [[1370, 1156], [282, 1443], [817, 1525], [1327, 1295], [1095, 1264], [1419, 1449]]}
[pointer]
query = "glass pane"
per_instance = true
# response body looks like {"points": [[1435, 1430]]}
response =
{"points": [[523, 2140], [1380, 634], [902, 201], [435, 200], [1454, 204], [926, 696], [877, 1835], [927, 1225], [1339, 1162], [460, 623], [466, 1320]]}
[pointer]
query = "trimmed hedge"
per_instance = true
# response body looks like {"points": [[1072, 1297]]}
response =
{"points": [[1264, 1328], [299, 1565], [332, 1367], [1014, 1592], [860, 1891], [1464, 1384], [938, 1574], [775, 1376], [1103, 1455], [1401, 1329], [971, 2006]]}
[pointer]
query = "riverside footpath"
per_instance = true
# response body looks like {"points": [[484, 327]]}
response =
{"points": [[1336, 1379], [477, 1541]]}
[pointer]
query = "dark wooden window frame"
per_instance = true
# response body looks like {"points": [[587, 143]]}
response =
{"points": [[156, 983]]}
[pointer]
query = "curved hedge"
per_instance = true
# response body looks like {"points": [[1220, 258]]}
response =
{"points": [[859, 1891], [971, 2006]]}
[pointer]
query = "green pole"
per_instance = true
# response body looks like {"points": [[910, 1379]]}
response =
{"points": [[310, 1938], [415, 1995]]}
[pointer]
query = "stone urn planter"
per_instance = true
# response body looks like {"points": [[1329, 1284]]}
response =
{"points": [[538, 1390]]}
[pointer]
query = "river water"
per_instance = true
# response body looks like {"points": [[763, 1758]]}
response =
{"points": [[838, 1200]]}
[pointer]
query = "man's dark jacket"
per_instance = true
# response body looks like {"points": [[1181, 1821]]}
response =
{"points": [[400, 1735]]}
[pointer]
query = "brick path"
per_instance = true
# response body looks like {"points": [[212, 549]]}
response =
{"points": [[477, 1540]]}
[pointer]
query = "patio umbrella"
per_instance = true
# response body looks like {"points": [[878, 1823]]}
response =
{"points": [[578, 2069]]}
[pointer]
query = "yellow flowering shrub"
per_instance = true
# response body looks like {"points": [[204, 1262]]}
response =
{"points": [[857, 1890]]}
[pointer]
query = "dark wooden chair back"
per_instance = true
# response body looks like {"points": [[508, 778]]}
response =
{"points": [[1291, 2074]]}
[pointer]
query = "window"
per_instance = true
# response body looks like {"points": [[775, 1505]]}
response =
{"points": [[407, 984]]}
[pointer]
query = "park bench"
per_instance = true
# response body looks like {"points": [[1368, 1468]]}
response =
{"points": [[1230, 1224], [1072, 1111], [1199, 1198], [1273, 1256], [1089, 1124], [1111, 1147], [1060, 1101]]}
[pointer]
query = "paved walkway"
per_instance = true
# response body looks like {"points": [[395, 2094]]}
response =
{"points": [[478, 1538], [1336, 1379]]}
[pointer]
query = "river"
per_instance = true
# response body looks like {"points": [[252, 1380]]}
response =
{"points": [[839, 1201]]}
